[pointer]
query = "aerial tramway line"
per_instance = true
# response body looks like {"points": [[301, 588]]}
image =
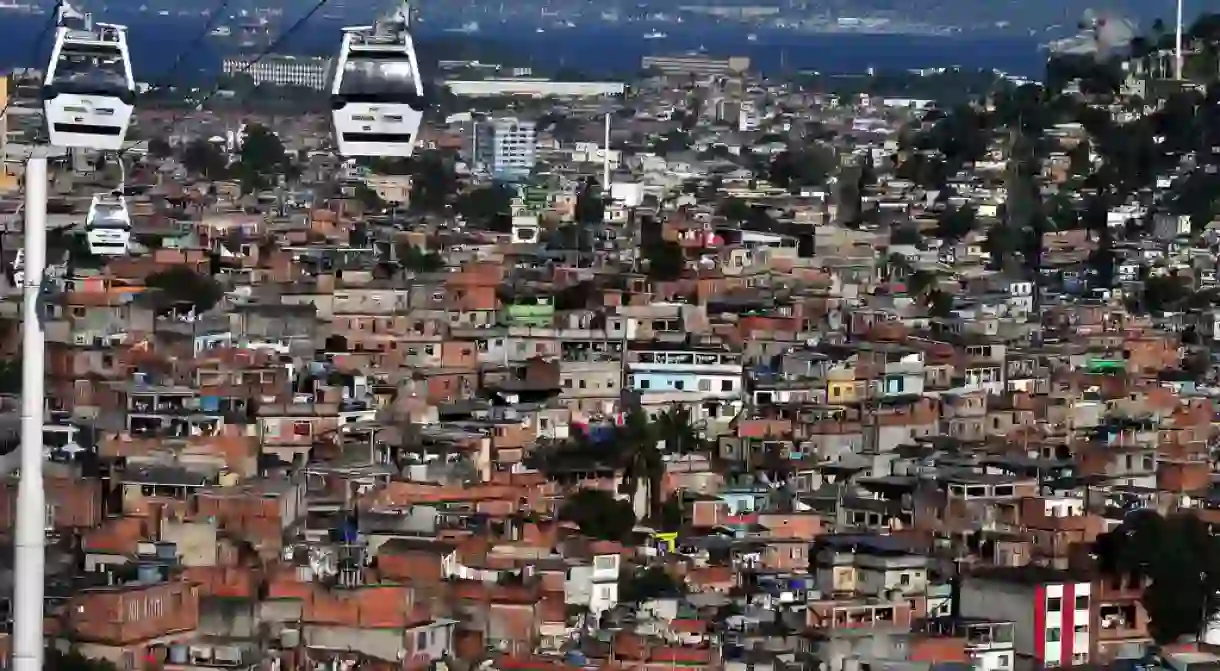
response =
{"points": [[89, 97]]}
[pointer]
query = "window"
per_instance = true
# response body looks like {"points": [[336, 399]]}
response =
{"points": [[904, 579], [726, 385], [421, 641], [1080, 658], [1053, 635], [679, 385], [1082, 629], [1054, 604], [1002, 661], [644, 384], [705, 385], [1082, 602]]}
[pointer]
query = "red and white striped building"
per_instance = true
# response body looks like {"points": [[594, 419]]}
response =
{"points": [[1051, 610]]}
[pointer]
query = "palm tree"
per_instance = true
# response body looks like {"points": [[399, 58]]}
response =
{"points": [[675, 428], [640, 459]]}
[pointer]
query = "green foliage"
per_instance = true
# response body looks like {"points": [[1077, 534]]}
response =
{"points": [[433, 182], [648, 583], [590, 203], [671, 143], [54, 660], [673, 426], [369, 198], [735, 209], [10, 376], [1164, 292], [487, 206], [261, 160], [666, 260], [159, 148], [1180, 560], [905, 235], [180, 284], [921, 282], [940, 304], [956, 222], [415, 259], [805, 167], [672, 516], [1001, 243], [599, 514], [204, 158]]}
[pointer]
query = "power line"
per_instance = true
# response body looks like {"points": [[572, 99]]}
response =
{"points": [[47, 29], [194, 44], [276, 43]]}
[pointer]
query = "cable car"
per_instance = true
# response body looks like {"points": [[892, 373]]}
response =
{"points": [[377, 94], [108, 225], [89, 92]]}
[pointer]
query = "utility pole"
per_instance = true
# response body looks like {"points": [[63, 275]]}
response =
{"points": [[30, 559], [1177, 45]]}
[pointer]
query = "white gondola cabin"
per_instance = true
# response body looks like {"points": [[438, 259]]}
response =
{"points": [[377, 94], [108, 225], [89, 92]]}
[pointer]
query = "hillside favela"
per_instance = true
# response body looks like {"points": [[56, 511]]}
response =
{"points": [[384, 360]]}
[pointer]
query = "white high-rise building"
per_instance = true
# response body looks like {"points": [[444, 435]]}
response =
{"points": [[506, 146], [311, 72]]}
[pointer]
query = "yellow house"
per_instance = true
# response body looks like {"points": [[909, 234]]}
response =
{"points": [[8, 175], [842, 386]]}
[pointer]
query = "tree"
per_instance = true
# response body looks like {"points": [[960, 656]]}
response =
{"points": [[641, 461], [666, 260], [940, 304], [675, 429], [956, 222], [433, 181], [54, 660], [1162, 292], [485, 204], [590, 203], [180, 284], [261, 160], [415, 259], [806, 167], [648, 583], [10, 376], [920, 282], [1001, 243], [599, 514], [1177, 558], [735, 209], [204, 158], [159, 148], [905, 235], [369, 198], [671, 142]]}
